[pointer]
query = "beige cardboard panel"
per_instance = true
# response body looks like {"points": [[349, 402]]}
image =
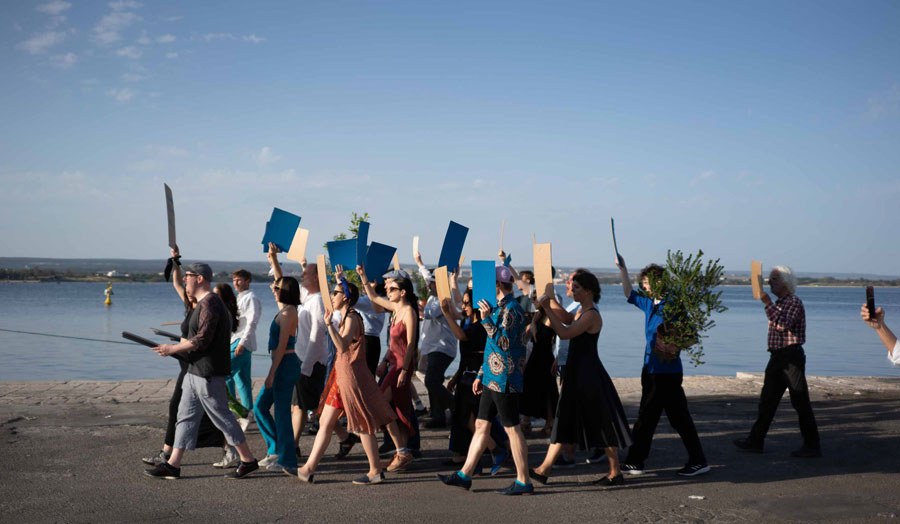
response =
{"points": [[502, 229], [415, 245], [756, 278], [298, 245], [396, 261], [442, 283], [324, 286], [543, 270], [461, 259]]}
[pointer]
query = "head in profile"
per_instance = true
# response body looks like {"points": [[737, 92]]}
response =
{"points": [[286, 291], [585, 285], [341, 300]]}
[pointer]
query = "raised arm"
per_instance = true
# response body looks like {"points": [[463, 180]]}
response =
{"points": [[454, 290], [523, 287], [884, 332], [581, 324], [458, 332], [623, 272], [272, 255], [177, 276], [369, 288]]}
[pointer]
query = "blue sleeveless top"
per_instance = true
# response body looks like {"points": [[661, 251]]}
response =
{"points": [[275, 335]]}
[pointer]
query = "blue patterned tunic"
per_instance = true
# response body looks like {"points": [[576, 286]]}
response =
{"points": [[504, 353]]}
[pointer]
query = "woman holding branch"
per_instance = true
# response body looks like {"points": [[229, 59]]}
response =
{"points": [[400, 360], [589, 413], [353, 391], [284, 371]]}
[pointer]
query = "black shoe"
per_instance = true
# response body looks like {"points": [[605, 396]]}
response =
{"points": [[745, 444], [692, 470], [455, 480], [436, 424], [563, 462], [366, 481], [416, 453], [543, 479], [632, 468], [345, 446], [243, 469], [387, 448], [156, 459], [618, 480], [517, 489], [163, 471], [806, 452]]}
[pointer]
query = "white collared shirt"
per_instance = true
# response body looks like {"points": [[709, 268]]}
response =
{"points": [[249, 311], [894, 355], [312, 338]]}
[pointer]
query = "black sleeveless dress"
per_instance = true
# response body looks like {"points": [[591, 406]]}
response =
{"points": [[589, 413], [539, 386]]}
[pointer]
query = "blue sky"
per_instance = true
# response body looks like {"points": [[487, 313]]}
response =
{"points": [[764, 130]]}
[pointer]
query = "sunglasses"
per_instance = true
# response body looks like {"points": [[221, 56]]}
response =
{"points": [[188, 275], [336, 291], [276, 288], [392, 288]]}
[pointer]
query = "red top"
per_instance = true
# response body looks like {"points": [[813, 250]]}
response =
{"points": [[397, 350]]}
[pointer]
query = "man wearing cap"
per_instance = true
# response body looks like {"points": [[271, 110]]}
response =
{"points": [[499, 383], [438, 346], [208, 344]]}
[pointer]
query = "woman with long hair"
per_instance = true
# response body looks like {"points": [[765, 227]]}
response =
{"points": [[353, 390], [589, 413], [209, 435], [400, 360], [284, 371]]}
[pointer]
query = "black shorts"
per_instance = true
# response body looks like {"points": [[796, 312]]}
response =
{"points": [[505, 406], [308, 390]]}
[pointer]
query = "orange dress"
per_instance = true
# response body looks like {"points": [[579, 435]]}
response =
{"points": [[354, 389], [401, 399]]}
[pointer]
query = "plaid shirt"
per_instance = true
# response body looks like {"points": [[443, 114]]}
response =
{"points": [[787, 322]]}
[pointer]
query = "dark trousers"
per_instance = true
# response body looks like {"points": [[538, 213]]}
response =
{"points": [[786, 370], [373, 352], [438, 396], [209, 436], [663, 392]]}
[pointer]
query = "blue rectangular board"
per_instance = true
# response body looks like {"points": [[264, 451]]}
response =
{"points": [[342, 252], [280, 230], [453, 246], [484, 282], [378, 261], [362, 239]]}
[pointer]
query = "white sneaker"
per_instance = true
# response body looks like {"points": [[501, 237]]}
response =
{"points": [[269, 459], [275, 466], [244, 423], [229, 460]]}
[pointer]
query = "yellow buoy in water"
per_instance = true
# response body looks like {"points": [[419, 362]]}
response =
{"points": [[109, 293]]}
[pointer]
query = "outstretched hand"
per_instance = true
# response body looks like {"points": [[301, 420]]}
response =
{"points": [[873, 321]]}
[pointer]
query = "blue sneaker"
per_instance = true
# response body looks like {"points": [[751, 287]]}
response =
{"points": [[455, 480], [499, 459], [517, 489]]}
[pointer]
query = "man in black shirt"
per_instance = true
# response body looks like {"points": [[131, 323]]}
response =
{"points": [[208, 344]]}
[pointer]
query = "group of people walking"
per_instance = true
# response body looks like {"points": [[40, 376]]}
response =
{"points": [[507, 373]]}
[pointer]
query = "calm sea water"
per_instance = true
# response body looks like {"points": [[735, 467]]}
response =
{"points": [[838, 343]]}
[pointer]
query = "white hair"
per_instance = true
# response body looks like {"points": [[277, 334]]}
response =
{"points": [[787, 277]]}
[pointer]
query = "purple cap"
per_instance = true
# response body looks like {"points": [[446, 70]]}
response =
{"points": [[503, 274]]}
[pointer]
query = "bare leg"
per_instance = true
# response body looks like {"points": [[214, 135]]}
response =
{"points": [[397, 434], [519, 449], [491, 445], [476, 448], [370, 444], [244, 452], [326, 425], [175, 458], [612, 454], [552, 454]]}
